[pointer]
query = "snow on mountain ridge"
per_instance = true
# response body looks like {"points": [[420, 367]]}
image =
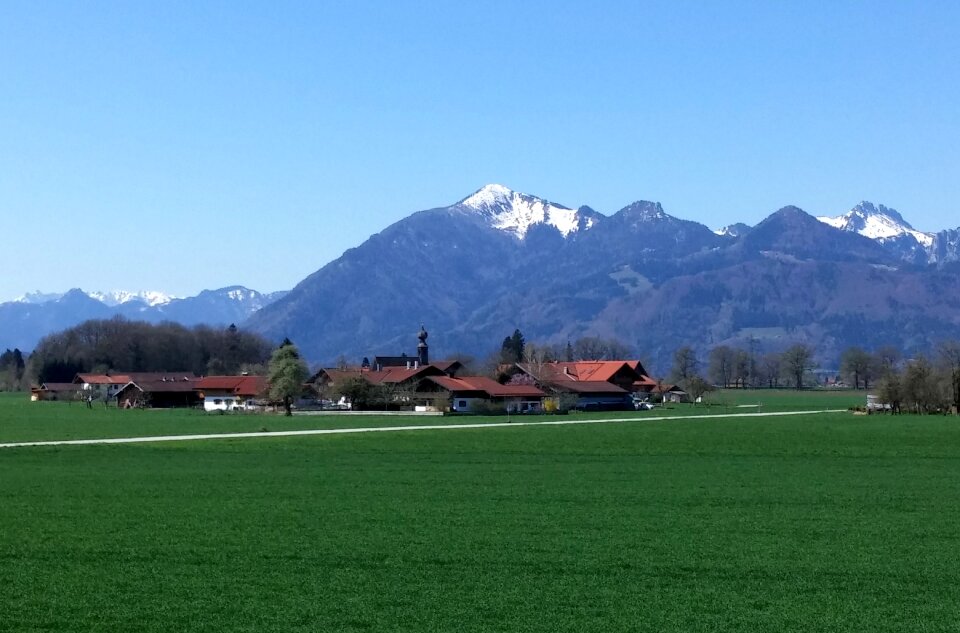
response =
{"points": [[242, 294], [114, 298], [516, 212], [733, 230], [38, 297], [877, 223]]}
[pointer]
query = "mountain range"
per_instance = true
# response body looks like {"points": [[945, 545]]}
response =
{"points": [[27, 319], [498, 259]]}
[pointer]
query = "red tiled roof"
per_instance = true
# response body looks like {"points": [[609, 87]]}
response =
{"points": [[589, 386], [486, 385], [388, 375], [646, 383], [497, 390], [581, 371], [162, 386], [237, 385], [102, 379], [445, 365], [168, 376], [145, 376], [452, 384]]}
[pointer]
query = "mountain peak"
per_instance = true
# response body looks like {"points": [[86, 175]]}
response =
{"points": [[876, 222], [515, 212], [737, 229], [488, 195], [867, 208], [645, 210]]}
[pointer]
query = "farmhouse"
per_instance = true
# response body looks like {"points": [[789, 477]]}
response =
{"points": [[102, 384], [158, 390], [54, 391], [596, 385], [231, 393], [467, 392]]}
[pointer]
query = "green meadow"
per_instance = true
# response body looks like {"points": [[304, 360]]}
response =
{"points": [[819, 522], [25, 421]]}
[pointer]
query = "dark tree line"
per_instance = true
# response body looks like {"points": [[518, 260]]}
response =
{"points": [[923, 384], [119, 345], [741, 368], [12, 369]]}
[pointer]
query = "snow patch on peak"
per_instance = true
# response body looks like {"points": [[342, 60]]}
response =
{"points": [[489, 195], [733, 230], [117, 297], [516, 212], [243, 294], [877, 223], [37, 297], [110, 298]]}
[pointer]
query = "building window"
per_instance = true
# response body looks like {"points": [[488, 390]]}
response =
{"points": [[461, 404], [217, 401]]}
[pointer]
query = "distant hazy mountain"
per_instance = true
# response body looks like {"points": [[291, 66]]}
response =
{"points": [[118, 297], [26, 320], [500, 259]]}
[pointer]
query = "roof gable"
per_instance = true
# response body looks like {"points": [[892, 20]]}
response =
{"points": [[584, 371], [237, 385], [482, 384]]}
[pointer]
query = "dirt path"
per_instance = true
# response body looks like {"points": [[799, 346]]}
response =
{"points": [[386, 429]]}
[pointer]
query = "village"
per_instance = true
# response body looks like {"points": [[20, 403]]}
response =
{"points": [[411, 383]]}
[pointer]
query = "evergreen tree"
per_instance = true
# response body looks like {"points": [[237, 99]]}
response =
{"points": [[511, 351]]}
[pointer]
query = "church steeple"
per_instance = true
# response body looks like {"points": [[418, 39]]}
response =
{"points": [[422, 349]]}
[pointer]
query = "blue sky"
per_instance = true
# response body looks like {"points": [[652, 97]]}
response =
{"points": [[181, 146]]}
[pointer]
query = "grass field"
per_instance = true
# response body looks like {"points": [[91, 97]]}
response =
{"points": [[787, 399], [822, 522], [25, 421]]}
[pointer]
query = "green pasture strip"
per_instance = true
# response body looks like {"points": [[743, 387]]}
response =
{"points": [[787, 399], [815, 523], [25, 421], [530, 421]]}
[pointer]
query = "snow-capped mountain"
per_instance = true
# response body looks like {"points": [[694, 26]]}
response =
{"points": [[27, 319], [878, 223], [117, 297], [499, 260], [109, 298], [516, 212], [38, 297]]}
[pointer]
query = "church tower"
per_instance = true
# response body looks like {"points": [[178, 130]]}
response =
{"points": [[422, 352]]}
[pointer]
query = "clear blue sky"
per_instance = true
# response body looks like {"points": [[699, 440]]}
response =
{"points": [[181, 146]]}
